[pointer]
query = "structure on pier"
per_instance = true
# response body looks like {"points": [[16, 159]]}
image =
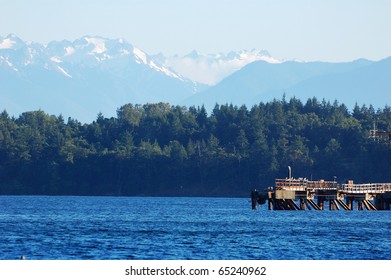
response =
{"points": [[380, 136], [302, 194]]}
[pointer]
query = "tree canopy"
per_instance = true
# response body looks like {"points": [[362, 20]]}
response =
{"points": [[159, 149]]}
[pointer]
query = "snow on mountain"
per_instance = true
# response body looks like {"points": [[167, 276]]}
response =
{"points": [[151, 62], [140, 55], [11, 42], [98, 43], [93, 74], [91, 51], [82, 78], [88, 51], [6, 44], [212, 68]]}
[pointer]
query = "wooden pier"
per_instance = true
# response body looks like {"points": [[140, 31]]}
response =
{"points": [[302, 194]]}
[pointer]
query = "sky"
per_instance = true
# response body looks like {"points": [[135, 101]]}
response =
{"points": [[308, 30]]}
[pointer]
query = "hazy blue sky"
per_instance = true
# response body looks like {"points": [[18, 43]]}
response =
{"points": [[328, 30]]}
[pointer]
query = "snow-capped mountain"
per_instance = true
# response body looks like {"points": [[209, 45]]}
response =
{"points": [[87, 52], [92, 74], [84, 77], [212, 68]]}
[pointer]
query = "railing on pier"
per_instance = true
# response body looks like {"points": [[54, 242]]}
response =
{"points": [[322, 185], [365, 188], [305, 185], [291, 184]]}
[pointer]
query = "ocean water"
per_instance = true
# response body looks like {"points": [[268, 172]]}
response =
{"points": [[122, 228]]}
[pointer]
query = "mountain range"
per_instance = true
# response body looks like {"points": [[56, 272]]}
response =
{"points": [[84, 77], [362, 81], [94, 74]]}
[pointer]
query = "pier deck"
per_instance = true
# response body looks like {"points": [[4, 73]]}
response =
{"points": [[300, 194]]}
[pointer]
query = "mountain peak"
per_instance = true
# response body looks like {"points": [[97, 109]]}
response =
{"points": [[98, 43], [193, 55], [13, 36], [11, 42]]}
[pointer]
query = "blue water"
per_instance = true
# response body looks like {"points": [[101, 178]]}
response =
{"points": [[184, 228]]}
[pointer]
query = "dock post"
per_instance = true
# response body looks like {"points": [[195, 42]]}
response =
{"points": [[254, 198], [321, 203], [349, 202], [302, 204], [331, 205], [270, 204], [360, 205]]}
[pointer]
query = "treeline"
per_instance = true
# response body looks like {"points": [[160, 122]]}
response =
{"points": [[159, 149]]}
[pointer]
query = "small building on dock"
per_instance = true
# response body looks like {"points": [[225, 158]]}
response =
{"points": [[380, 136]]}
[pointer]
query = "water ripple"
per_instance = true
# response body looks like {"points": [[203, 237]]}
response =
{"points": [[184, 228]]}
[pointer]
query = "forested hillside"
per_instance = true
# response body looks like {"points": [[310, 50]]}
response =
{"points": [[159, 149]]}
